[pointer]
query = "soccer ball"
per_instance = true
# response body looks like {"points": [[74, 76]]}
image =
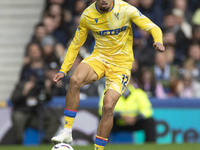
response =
{"points": [[62, 146]]}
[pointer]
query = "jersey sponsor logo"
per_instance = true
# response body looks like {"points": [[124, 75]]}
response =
{"points": [[112, 31], [96, 20]]}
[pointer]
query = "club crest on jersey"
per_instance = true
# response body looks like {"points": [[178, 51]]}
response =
{"points": [[96, 20], [117, 15], [112, 31]]}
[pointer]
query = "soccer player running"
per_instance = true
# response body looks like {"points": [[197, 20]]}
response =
{"points": [[110, 23]]}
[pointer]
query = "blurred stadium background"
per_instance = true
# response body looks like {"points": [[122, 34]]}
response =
{"points": [[34, 36]]}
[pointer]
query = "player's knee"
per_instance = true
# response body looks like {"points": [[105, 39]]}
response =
{"points": [[75, 82], [108, 109]]}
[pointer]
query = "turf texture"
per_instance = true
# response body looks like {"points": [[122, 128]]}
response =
{"points": [[112, 147]]}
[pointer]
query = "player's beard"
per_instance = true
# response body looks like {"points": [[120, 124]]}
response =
{"points": [[104, 9]]}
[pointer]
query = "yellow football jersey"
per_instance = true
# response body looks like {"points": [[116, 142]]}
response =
{"points": [[112, 32]]}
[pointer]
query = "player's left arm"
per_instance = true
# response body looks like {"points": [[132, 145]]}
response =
{"points": [[78, 41], [146, 24]]}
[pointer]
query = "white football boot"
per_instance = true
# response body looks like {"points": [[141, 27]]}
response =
{"points": [[63, 137]]}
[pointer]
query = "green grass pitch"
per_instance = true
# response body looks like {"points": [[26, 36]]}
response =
{"points": [[112, 147]]}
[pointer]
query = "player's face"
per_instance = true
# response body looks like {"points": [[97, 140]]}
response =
{"points": [[104, 5]]}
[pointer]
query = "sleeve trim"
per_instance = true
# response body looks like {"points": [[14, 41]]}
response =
{"points": [[62, 72]]}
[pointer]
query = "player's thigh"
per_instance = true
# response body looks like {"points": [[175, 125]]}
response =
{"points": [[84, 74], [89, 70]]}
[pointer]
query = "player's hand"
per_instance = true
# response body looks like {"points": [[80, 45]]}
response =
{"points": [[58, 77], [159, 47]]}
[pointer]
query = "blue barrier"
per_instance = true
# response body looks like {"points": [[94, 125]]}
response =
{"points": [[59, 101], [92, 102]]}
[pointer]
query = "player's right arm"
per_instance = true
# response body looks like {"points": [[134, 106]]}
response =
{"points": [[72, 52], [146, 24]]}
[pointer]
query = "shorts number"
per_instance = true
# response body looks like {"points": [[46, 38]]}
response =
{"points": [[124, 81]]}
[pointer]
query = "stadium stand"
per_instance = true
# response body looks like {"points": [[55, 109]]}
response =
{"points": [[18, 19]]}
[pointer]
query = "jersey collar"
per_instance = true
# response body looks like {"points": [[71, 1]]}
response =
{"points": [[110, 9]]}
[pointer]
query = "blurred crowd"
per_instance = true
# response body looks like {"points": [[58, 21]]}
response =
{"points": [[175, 73]]}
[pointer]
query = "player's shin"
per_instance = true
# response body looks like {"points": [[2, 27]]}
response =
{"points": [[100, 143]]}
